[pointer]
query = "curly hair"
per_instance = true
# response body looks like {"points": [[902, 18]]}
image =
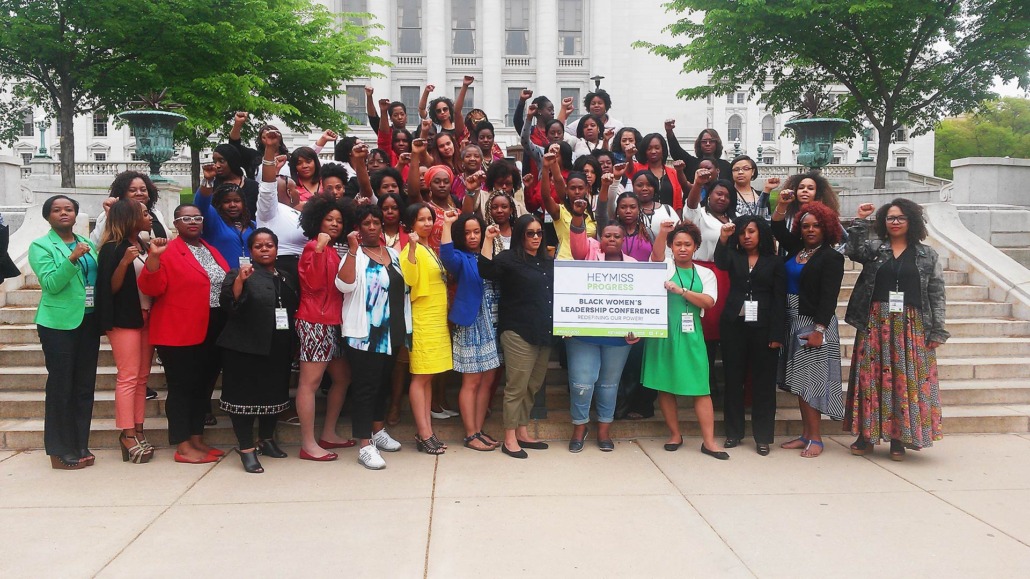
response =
{"points": [[120, 186], [601, 94], [499, 170], [765, 234], [362, 212], [432, 108], [686, 226], [377, 178], [916, 219], [827, 218], [223, 191], [315, 211], [334, 170], [458, 230], [511, 204], [824, 192]]}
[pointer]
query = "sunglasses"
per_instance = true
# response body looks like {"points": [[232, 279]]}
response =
{"points": [[188, 219], [535, 233], [708, 141]]}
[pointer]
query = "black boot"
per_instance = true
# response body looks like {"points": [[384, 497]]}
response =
{"points": [[250, 461]]}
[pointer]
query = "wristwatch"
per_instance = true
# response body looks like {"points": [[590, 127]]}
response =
{"points": [[820, 328]]}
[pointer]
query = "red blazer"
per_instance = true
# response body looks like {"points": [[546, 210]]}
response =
{"points": [[320, 301], [677, 191], [181, 289]]}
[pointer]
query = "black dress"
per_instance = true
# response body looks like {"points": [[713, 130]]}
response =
{"points": [[256, 357]]}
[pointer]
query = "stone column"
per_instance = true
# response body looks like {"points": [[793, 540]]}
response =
{"points": [[546, 51], [382, 15], [492, 95], [436, 26]]}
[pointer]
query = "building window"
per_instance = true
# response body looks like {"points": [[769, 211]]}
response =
{"points": [[100, 157], [513, 101], [135, 157], [470, 100], [733, 129], [902, 162], [99, 125], [768, 128], [409, 26], [516, 27], [59, 127], [463, 26], [570, 27], [26, 158], [729, 99], [768, 160], [835, 161], [356, 103], [901, 136], [28, 127], [574, 94], [741, 98], [410, 96]]}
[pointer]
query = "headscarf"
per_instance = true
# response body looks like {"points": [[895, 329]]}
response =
{"points": [[432, 171], [232, 157]]}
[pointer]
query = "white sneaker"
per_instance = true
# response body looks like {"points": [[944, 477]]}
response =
{"points": [[370, 458], [383, 441]]}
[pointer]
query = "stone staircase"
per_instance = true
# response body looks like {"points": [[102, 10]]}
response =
{"points": [[983, 371]]}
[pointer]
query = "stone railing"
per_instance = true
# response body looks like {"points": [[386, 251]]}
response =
{"points": [[113, 168]]}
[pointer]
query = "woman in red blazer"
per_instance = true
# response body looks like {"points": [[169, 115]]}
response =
{"points": [[184, 276]]}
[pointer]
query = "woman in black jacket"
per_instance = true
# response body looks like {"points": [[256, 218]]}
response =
{"points": [[260, 302], [752, 326], [124, 315], [810, 364]]}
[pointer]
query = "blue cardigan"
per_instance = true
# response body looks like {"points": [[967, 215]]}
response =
{"points": [[469, 297], [229, 241]]}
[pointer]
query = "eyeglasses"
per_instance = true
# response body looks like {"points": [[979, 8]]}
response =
{"points": [[897, 219], [708, 141], [441, 109], [742, 169], [535, 233], [189, 219]]}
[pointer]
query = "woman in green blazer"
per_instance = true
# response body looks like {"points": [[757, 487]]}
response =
{"points": [[66, 265]]}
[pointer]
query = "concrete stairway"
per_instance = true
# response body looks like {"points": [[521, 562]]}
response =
{"points": [[982, 371]]}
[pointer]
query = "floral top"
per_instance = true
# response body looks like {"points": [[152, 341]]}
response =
{"points": [[214, 272]]}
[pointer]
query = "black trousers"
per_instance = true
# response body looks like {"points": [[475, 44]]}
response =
{"points": [[746, 348], [71, 363], [370, 384], [190, 372], [243, 426]]}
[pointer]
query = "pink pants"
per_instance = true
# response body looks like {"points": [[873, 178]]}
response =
{"points": [[133, 356]]}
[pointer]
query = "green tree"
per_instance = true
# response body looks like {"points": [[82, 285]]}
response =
{"points": [[904, 63], [283, 58], [999, 129]]}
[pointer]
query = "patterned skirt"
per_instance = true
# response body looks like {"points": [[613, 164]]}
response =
{"points": [[893, 391], [813, 374], [318, 342], [474, 348]]}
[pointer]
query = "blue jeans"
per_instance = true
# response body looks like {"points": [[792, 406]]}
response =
{"points": [[593, 367]]}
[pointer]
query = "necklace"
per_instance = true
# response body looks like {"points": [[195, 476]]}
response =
{"points": [[391, 240], [379, 256], [805, 254]]}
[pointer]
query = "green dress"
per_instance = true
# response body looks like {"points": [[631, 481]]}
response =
{"points": [[678, 364]]}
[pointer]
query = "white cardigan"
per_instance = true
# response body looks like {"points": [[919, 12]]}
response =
{"points": [[355, 296]]}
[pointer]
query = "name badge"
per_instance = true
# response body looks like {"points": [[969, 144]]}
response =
{"points": [[244, 261], [282, 321], [90, 296], [896, 302], [751, 311], [687, 323]]}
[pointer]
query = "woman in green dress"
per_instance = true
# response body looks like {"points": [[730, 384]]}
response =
{"points": [[678, 365]]}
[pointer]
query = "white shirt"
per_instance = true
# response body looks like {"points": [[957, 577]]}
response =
{"points": [[281, 219], [711, 229]]}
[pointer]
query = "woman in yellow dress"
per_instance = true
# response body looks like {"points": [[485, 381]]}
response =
{"points": [[431, 339]]}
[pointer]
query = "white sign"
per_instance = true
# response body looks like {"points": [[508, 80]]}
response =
{"points": [[610, 298]]}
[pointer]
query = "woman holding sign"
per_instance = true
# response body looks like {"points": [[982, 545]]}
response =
{"points": [[678, 365], [596, 363]]}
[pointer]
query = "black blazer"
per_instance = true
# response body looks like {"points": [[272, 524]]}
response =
{"points": [[820, 281], [7, 267], [119, 309], [768, 284], [251, 319]]}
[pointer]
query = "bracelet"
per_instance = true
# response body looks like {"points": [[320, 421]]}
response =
{"points": [[207, 183], [820, 328], [267, 163]]}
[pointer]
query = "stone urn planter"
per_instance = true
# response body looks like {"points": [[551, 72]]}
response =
{"points": [[154, 131], [815, 138]]}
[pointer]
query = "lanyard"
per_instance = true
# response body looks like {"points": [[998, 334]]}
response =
{"points": [[693, 274]]}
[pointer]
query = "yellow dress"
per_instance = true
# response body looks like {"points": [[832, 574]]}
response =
{"points": [[431, 338]]}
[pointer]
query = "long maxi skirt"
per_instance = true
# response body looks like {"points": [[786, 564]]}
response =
{"points": [[813, 374], [893, 390]]}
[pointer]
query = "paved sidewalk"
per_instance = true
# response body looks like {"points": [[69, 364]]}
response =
{"points": [[960, 509]]}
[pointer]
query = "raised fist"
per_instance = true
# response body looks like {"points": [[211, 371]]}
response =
{"points": [[864, 210], [670, 125]]}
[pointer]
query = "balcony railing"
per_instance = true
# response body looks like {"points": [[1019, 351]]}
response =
{"points": [[464, 61], [409, 60]]}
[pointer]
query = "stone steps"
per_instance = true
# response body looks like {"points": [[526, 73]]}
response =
{"points": [[958, 310], [956, 293]]}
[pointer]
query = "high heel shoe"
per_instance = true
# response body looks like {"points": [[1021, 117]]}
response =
{"points": [[143, 439], [270, 449], [86, 457], [137, 453], [427, 446], [437, 441], [67, 462], [250, 461]]}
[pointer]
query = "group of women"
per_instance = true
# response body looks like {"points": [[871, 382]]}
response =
{"points": [[434, 255]]}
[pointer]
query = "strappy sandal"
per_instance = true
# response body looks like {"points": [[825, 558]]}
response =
{"points": [[427, 446], [807, 454], [437, 441], [488, 439], [475, 437], [137, 453]]}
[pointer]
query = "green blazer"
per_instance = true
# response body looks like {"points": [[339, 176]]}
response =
{"points": [[64, 286]]}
